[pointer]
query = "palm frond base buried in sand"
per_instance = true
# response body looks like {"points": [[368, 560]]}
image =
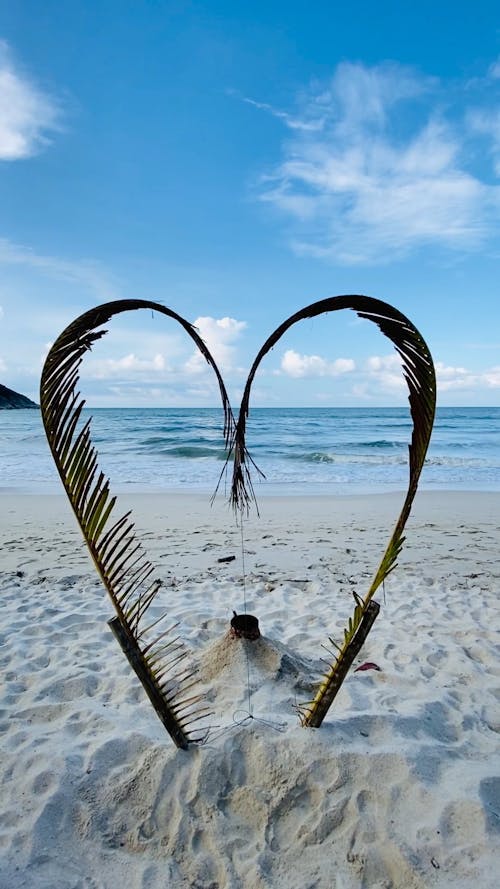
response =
{"points": [[312, 714]]}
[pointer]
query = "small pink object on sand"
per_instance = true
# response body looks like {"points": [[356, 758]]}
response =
{"points": [[368, 665]]}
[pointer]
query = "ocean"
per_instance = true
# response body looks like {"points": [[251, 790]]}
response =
{"points": [[299, 450]]}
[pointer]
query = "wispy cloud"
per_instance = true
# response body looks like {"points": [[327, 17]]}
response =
{"points": [[86, 272], [294, 123], [387, 169], [128, 366], [27, 114], [494, 70], [486, 122]]}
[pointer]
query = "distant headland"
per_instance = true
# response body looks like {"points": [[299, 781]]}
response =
{"points": [[10, 400]]}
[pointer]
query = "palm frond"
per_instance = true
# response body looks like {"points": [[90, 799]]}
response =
{"points": [[158, 660], [418, 371]]}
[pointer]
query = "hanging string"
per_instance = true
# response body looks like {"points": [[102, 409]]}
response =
{"points": [[212, 734], [242, 716], [249, 714], [244, 578]]}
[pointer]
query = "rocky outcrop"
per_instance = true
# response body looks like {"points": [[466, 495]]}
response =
{"points": [[10, 400]]}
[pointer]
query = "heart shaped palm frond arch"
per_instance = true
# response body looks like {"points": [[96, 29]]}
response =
{"points": [[418, 371], [158, 658]]}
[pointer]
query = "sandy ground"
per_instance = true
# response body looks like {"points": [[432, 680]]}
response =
{"points": [[400, 787]]}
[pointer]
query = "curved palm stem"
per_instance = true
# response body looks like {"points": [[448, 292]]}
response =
{"points": [[118, 556], [418, 371]]}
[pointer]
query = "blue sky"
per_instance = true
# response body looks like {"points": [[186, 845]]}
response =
{"points": [[237, 161]]}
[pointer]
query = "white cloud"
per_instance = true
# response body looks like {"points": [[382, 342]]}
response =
{"points": [[492, 377], [3, 366], [385, 172], [459, 378], [386, 371], [1, 312], [219, 334], [295, 365], [357, 95], [27, 115], [381, 376]]}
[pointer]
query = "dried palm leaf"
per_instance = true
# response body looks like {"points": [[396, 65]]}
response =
{"points": [[418, 371], [159, 659]]}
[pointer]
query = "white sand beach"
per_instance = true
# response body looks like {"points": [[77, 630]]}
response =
{"points": [[399, 788]]}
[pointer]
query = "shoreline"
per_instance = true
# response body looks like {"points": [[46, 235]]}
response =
{"points": [[8, 493], [480, 505], [317, 525], [268, 490]]}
